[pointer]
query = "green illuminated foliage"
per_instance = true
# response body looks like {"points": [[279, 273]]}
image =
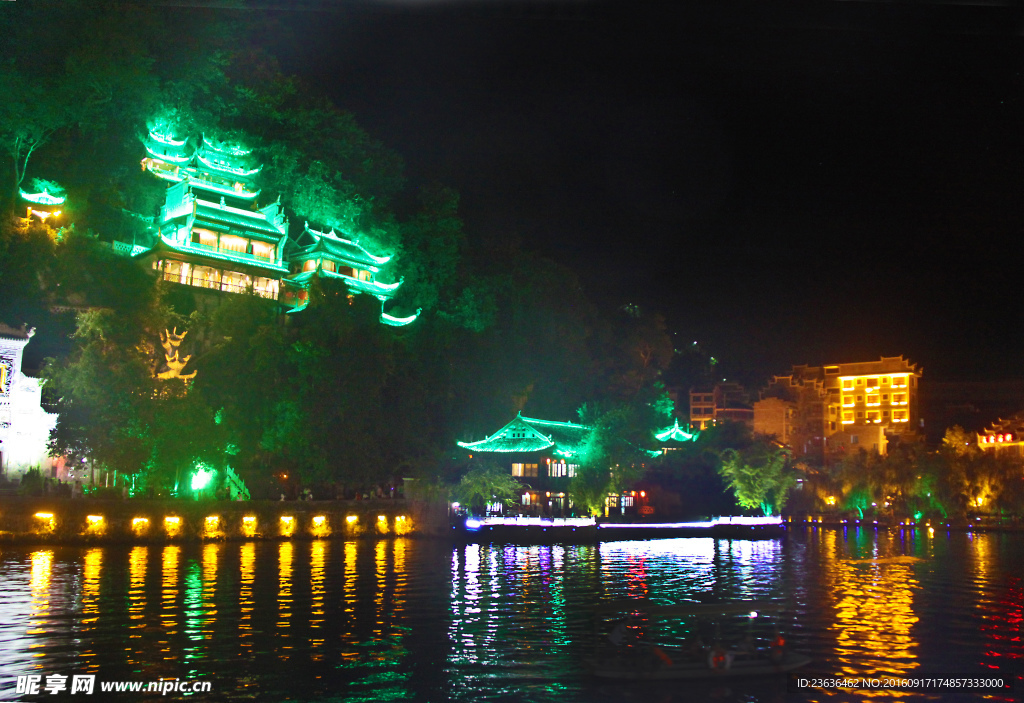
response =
{"points": [[760, 477], [486, 484]]}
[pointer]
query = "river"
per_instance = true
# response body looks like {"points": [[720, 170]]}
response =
{"points": [[423, 620]]}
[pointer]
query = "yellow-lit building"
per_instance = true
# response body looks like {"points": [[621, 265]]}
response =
{"points": [[863, 403], [1004, 436]]}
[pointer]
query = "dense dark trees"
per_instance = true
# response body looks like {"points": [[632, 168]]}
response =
{"points": [[325, 396]]}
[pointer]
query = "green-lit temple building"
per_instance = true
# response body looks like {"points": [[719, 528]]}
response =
{"points": [[211, 232], [542, 454]]}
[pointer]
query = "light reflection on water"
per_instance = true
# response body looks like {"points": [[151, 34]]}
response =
{"points": [[409, 619]]}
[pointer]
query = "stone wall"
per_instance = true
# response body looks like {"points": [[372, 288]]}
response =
{"points": [[76, 521]]}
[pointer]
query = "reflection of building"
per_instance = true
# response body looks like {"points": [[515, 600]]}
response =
{"points": [[1004, 436], [724, 401], [24, 425], [841, 406], [211, 234]]}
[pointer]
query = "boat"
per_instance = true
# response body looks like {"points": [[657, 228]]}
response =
{"points": [[625, 658]]}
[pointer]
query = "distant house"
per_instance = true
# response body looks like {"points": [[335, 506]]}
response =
{"points": [[721, 402]]}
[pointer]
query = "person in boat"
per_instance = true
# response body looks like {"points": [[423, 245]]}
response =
{"points": [[718, 658], [625, 633], [746, 648], [777, 648]]}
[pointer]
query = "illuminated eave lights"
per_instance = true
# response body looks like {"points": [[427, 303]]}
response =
{"points": [[167, 158], [229, 149], [43, 198], [317, 234], [166, 138], [392, 321], [675, 433], [244, 173]]}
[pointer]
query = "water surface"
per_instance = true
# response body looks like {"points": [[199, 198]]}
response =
{"points": [[423, 620]]}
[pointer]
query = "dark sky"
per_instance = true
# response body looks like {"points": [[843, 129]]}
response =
{"points": [[793, 183]]}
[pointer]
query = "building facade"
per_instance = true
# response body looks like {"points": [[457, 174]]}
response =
{"points": [[212, 234], [721, 402], [827, 409], [1004, 436], [541, 454], [24, 424]]}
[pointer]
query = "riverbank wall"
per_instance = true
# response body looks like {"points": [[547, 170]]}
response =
{"points": [[958, 524], [71, 521]]}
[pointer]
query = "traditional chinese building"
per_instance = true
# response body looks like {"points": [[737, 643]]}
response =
{"points": [[211, 233], [42, 205], [541, 454], [1004, 436], [24, 424]]}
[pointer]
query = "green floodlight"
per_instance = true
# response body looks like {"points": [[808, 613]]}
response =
{"points": [[202, 477]]}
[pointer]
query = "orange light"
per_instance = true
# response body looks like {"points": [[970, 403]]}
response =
{"points": [[643, 494]]}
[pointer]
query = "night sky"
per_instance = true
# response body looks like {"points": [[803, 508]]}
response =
{"points": [[798, 183]]}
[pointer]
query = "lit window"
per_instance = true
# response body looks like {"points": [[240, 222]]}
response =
{"points": [[873, 416], [885, 380], [848, 383], [517, 469], [572, 469], [627, 501], [529, 469], [847, 417]]}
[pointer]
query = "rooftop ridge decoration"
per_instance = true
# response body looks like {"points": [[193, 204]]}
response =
{"points": [[43, 198], [165, 138], [676, 433], [236, 170], [354, 242], [222, 147], [521, 436]]}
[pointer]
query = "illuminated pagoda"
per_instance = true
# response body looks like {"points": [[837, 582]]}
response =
{"points": [[541, 454], [329, 255], [43, 203], [211, 233], [674, 437]]}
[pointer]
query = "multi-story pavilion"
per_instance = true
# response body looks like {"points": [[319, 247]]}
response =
{"points": [[210, 232]]}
